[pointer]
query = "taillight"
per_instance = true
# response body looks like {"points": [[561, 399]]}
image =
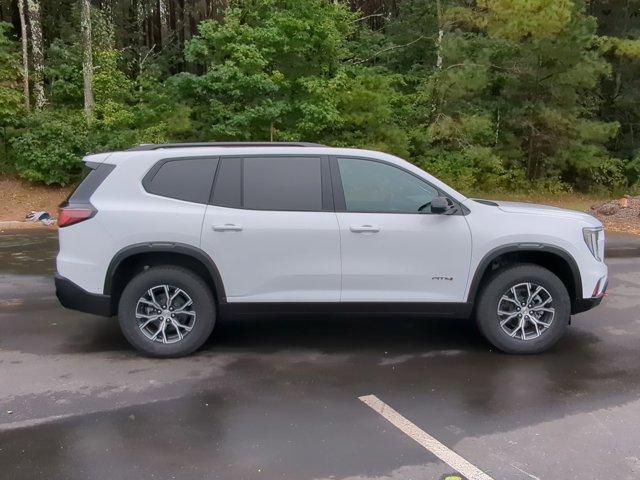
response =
{"points": [[70, 215]]}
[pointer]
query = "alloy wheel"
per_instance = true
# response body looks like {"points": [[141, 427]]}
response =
{"points": [[525, 311], [165, 314]]}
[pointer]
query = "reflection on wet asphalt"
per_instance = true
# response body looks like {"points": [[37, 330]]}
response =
{"points": [[277, 397], [30, 252]]}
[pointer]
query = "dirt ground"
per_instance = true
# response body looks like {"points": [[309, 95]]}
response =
{"points": [[18, 197]]}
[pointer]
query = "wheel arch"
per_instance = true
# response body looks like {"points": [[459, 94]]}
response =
{"points": [[134, 258], [554, 258]]}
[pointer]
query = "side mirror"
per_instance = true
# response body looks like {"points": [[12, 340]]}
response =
{"points": [[440, 205]]}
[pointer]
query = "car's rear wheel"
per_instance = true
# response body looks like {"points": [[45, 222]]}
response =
{"points": [[523, 309], [166, 312]]}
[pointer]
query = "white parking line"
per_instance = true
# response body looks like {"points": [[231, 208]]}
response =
{"points": [[445, 454]]}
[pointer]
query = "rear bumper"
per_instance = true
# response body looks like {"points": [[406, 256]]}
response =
{"points": [[74, 297]]}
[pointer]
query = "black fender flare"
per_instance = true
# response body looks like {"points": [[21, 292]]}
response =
{"points": [[492, 255], [166, 247]]}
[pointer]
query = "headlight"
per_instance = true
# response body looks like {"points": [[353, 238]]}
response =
{"points": [[594, 238]]}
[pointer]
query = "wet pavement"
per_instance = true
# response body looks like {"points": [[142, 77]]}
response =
{"points": [[277, 398]]}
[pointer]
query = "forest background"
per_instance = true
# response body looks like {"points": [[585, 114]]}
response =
{"points": [[528, 96]]}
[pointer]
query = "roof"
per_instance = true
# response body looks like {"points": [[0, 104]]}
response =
{"points": [[159, 146]]}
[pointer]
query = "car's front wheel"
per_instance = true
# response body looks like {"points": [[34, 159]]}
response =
{"points": [[166, 312], [523, 309]]}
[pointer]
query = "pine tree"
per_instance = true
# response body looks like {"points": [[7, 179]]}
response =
{"points": [[518, 83]]}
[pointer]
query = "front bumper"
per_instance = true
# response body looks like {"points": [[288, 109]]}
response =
{"points": [[584, 304], [74, 297]]}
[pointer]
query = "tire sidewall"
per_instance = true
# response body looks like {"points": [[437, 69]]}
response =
{"points": [[203, 305], [487, 317]]}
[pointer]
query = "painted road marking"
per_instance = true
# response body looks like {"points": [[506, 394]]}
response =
{"points": [[445, 454]]}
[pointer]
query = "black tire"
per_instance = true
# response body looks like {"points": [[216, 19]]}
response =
{"points": [[203, 306], [487, 309]]}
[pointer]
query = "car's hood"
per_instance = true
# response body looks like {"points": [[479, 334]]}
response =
{"points": [[547, 210]]}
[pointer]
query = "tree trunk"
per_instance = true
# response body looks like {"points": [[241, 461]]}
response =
{"points": [[182, 18], [25, 54], [37, 51], [163, 12], [140, 26], [440, 35], [106, 6], [87, 60], [439, 18]]}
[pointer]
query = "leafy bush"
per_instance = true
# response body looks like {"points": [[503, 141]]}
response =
{"points": [[50, 148]]}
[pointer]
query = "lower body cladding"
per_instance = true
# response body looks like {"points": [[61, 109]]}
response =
{"points": [[75, 297], [584, 304]]}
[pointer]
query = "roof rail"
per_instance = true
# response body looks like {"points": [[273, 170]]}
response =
{"points": [[159, 146]]}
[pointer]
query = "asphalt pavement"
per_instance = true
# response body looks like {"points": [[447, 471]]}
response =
{"points": [[278, 398]]}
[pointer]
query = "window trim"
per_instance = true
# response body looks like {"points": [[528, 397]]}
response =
{"points": [[152, 172], [338, 190], [327, 198]]}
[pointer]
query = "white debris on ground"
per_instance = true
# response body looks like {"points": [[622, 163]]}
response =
{"points": [[42, 217]]}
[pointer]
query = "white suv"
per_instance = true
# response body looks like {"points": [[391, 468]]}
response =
{"points": [[169, 237]]}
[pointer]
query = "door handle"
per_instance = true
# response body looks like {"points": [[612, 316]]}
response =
{"points": [[227, 227], [365, 229]]}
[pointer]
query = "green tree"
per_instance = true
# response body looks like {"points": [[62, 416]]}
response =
{"points": [[619, 28], [519, 83], [267, 70], [11, 96]]}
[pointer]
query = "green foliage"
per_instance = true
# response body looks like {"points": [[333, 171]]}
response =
{"points": [[63, 70], [524, 19], [268, 67], [11, 97], [519, 85], [622, 47], [50, 147], [529, 96], [367, 102]]}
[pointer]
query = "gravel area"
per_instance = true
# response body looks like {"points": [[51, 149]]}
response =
{"points": [[621, 215]]}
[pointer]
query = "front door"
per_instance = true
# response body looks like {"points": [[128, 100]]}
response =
{"points": [[393, 248]]}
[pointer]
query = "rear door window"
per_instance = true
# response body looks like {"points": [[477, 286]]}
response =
{"points": [[288, 183], [282, 183], [227, 191]]}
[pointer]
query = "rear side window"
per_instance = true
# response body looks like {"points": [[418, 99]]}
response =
{"points": [[270, 183], [93, 175], [187, 179]]}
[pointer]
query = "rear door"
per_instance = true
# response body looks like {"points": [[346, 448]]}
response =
{"points": [[393, 248], [272, 231]]}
